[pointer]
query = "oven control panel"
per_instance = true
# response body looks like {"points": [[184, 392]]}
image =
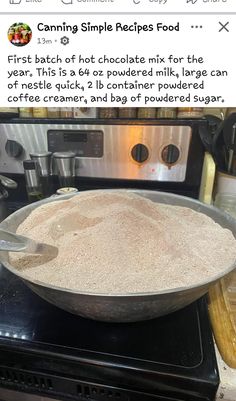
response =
{"points": [[87, 143], [162, 151]]}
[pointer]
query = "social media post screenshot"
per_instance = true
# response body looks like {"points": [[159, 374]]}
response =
{"points": [[117, 60], [117, 200]]}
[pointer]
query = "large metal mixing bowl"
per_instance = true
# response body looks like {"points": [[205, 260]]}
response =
{"points": [[126, 307]]}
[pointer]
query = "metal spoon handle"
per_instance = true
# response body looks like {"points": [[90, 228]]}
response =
{"points": [[8, 182], [18, 243]]}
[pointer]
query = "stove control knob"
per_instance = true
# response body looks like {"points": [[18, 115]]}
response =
{"points": [[140, 153], [170, 154], [14, 149]]}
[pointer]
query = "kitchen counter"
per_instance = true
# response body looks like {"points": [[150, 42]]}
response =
{"points": [[227, 388]]}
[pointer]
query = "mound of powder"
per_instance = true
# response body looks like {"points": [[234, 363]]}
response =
{"points": [[118, 242]]}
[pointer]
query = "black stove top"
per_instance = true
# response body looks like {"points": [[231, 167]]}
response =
{"points": [[44, 350]]}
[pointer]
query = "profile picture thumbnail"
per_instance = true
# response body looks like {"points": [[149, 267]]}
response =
{"points": [[19, 34]]}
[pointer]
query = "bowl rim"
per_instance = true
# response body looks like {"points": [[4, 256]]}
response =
{"points": [[199, 206]]}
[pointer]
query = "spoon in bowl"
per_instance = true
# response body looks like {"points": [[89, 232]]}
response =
{"points": [[12, 242]]}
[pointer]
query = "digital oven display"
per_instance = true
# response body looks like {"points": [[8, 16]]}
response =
{"points": [[75, 137], [84, 143]]}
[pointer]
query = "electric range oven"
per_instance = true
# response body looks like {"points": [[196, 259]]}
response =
{"points": [[47, 353]]}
